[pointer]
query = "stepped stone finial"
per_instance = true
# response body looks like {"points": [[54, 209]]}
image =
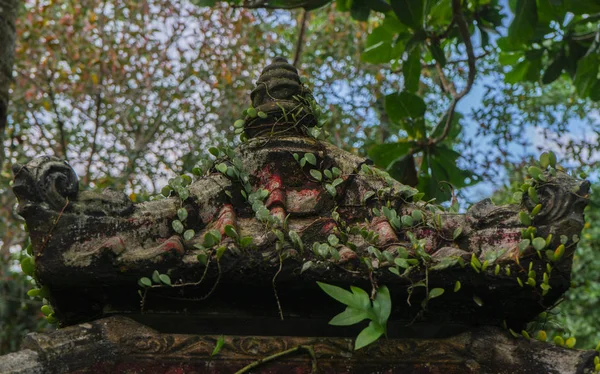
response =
{"points": [[285, 101]]}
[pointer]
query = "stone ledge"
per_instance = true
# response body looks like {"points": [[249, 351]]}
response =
{"points": [[121, 345]]}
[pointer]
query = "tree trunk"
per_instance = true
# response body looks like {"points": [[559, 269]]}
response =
{"points": [[8, 14]]}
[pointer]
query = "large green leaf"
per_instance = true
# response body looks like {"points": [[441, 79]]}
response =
{"points": [[341, 295], [360, 10], [411, 70], [348, 317], [582, 6], [385, 154], [586, 76], [399, 106], [378, 48], [404, 170], [382, 305], [550, 10], [555, 68], [440, 13], [368, 335], [438, 53], [518, 72], [523, 25], [409, 12]]}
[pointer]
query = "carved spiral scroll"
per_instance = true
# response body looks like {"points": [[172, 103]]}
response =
{"points": [[46, 180]]}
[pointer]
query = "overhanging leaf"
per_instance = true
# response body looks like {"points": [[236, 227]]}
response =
{"points": [[523, 25], [586, 75], [411, 70], [399, 106], [385, 154], [409, 12]]}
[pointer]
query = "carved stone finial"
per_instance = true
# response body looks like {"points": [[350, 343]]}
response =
{"points": [[285, 101]]}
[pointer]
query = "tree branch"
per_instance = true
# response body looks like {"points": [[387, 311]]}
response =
{"points": [[97, 122], [8, 14], [59, 121], [300, 41], [463, 29]]}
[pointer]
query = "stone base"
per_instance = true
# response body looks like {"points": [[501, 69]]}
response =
{"points": [[121, 345]]}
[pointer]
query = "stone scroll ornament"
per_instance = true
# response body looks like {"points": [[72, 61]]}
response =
{"points": [[284, 210]]}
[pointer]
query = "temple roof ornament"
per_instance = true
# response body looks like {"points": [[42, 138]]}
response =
{"points": [[248, 239]]}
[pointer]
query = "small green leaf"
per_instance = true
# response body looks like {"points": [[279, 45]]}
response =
{"points": [[164, 278], [245, 241], [532, 193], [166, 191], [230, 232], [27, 265], [417, 215], [307, 265], [457, 233], [218, 346], [333, 240], [177, 226], [189, 234], [477, 300], [262, 115], [34, 292], [316, 174], [221, 167], [367, 196], [331, 189], [436, 292], [202, 258], [524, 218], [46, 310], [536, 173], [539, 243], [457, 286], [156, 277], [558, 340], [182, 213], [145, 282], [336, 182], [311, 159], [220, 251]]}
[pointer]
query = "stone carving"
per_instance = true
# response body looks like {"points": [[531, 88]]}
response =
{"points": [[96, 246], [120, 345]]}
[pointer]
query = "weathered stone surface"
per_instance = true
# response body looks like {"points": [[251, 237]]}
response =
{"points": [[120, 345], [25, 361], [90, 249]]}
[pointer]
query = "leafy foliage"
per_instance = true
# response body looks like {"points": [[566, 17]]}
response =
{"points": [[360, 307], [133, 94]]}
